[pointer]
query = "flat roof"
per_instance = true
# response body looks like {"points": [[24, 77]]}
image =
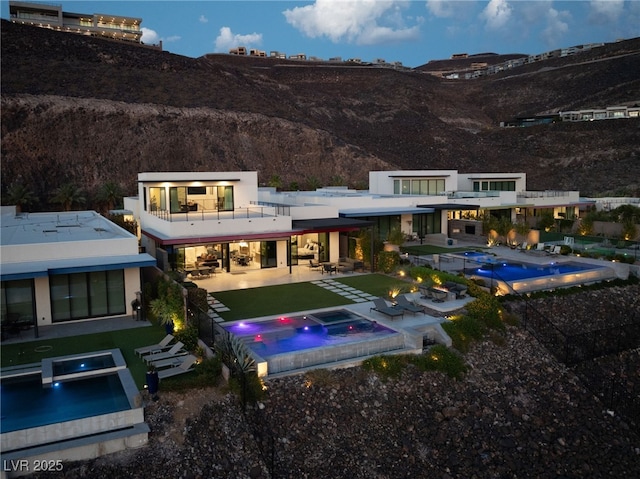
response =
{"points": [[35, 269], [49, 228]]}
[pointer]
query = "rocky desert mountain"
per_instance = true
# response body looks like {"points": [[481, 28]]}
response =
{"points": [[87, 111]]}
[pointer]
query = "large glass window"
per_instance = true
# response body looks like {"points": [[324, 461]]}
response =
{"points": [[494, 186], [17, 300], [87, 295], [157, 199], [434, 186]]}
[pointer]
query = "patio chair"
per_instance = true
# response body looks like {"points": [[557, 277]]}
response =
{"points": [[329, 268], [176, 350], [184, 367], [407, 305], [313, 265], [556, 250], [171, 362], [380, 305], [161, 346]]}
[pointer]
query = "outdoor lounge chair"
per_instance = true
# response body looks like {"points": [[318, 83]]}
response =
{"points": [[555, 250], [380, 305], [184, 367], [176, 350], [329, 268], [314, 265], [407, 305], [161, 346], [171, 362]]}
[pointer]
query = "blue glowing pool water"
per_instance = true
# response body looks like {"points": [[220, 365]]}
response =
{"points": [[76, 365], [296, 333], [507, 271], [26, 403]]}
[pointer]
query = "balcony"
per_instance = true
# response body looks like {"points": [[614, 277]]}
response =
{"points": [[197, 213], [206, 223]]}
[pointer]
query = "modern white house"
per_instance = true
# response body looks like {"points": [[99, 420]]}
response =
{"points": [[45, 15], [224, 222], [67, 266]]}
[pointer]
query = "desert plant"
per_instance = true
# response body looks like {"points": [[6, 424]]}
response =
{"points": [[21, 196], [68, 196]]}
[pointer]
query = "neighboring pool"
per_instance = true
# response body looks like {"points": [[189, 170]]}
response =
{"points": [[293, 342], [525, 277], [27, 404], [55, 403], [516, 271], [77, 365]]}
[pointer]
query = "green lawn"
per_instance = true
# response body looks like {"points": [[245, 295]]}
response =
{"points": [[288, 298], [246, 303], [274, 300], [126, 340]]}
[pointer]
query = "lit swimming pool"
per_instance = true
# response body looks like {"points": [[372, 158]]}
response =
{"points": [[525, 277], [292, 342], [27, 404], [62, 399]]}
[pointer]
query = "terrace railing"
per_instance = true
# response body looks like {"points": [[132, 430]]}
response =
{"points": [[202, 214]]}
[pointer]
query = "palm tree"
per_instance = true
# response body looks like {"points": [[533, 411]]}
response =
{"points": [[20, 196], [110, 195], [68, 195]]}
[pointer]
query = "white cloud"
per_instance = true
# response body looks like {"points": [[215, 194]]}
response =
{"points": [[442, 8], [363, 22], [203, 19], [150, 37], [227, 40], [557, 27], [496, 14], [605, 11]]}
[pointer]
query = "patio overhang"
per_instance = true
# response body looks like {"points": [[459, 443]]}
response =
{"points": [[450, 206], [163, 240], [38, 269], [389, 211], [323, 225]]}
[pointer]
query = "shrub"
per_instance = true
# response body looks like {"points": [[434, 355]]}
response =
{"points": [[441, 358], [486, 308], [388, 261], [463, 331], [248, 386], [385, 366], [189, 336]]}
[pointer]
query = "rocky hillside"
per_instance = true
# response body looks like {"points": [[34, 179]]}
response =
{"points": [[89, 110]]}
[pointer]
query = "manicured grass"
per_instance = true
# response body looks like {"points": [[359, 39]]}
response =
{"points": [[376, 284], [274, 300], [126, 340]]}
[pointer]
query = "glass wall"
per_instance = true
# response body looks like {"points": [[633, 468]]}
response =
{"points": [[87, 295], [17, 300], [157, 199], [423, 187]]}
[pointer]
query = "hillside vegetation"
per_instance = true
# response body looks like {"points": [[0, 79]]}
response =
{"points": [[88, 111]]}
